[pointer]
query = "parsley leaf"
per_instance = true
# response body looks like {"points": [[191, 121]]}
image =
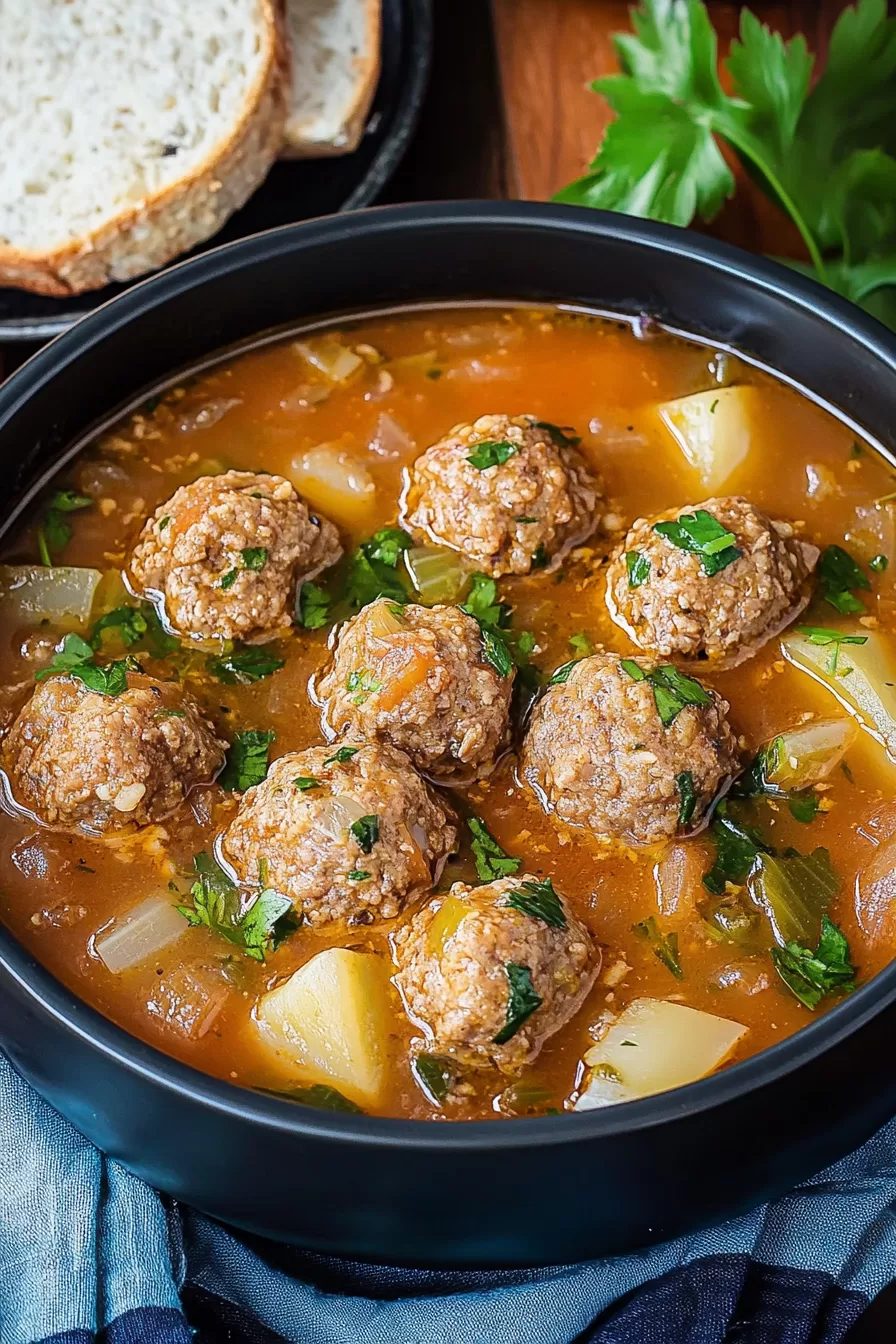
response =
{"points": [[490, 859], [804, 806], [538, 900], [69, 501], [737, 849], [54, 533], [435, 1074], [561, 675], [305, 782], [522, 1001], [812, 975], [342, 755], [76, 659], [824, 157], [361, 685], [878, 563], [838, 572], [366, 831], [242, 667], [321, 1096], [128, 623], [824, 637], [672, 690], [255, 557], [561, 437], [373, 568], [638, 567], [581, 644], [247, 760], [664, 945], [387, 545], [74, 651], [492, 453], [229, 579], [358, 875], [312, 606], [496, 652], [492, 616], [703, 535], [216, 906], [688, 795]]}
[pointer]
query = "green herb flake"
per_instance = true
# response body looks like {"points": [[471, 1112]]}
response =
{"points": [[632, 669], [702, 535], [838, 574], [712, 409], [111, 679], [247, 760], [361, 685], [581, 644], [128, 624], [496, 652], [561, 676], [804, 807], [243, 667], [823, 637], [483, 605], [312, 607], [562, 437], [539, 900], [522, 1001], [216, 906], [342, 755], [73, 653], [321, 1096], [366, 831], [229, 579], [434, 374], [737, 849], [878, 563], [688, 795], [373, 568], [539, 557], [255, 557], [810, 976], [358, 875], [638, 567], [525, 518], [68, 501], [672, 690], [164, 522], [490, 859], [435, 1074], [54, 532], [492, 453], [306, 782], [387, 545], [663, 945]]}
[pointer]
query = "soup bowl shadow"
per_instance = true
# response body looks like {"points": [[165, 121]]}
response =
{"points": [[532, 1191]]}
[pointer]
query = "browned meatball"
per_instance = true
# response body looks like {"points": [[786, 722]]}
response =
{"points": [[224, 554], [417, 677], [526, 511], [676, 602], [347, 833], [80, 759], [489, 973], [629, 758]]}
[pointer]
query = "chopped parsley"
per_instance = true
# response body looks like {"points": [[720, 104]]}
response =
{"points": [[358, 875], [434, 374], [638, 567], [163, 522], [312, 606], [321, 1096], [838, 574], [663, 945], [492, 617], [361, 685], [366, 831], [76, 659], [490, 859], [581, 644], [170, 714], [703, 535], [737, 849], [229, 579], [561, 437], [812, 975], [522, 1001], [878, 563], [387, 545], [305, 782], [539, 900], [496, 652], [342, 755], [804, 806], [539, 557], [525, 518], [247, 760], [688, 795], [373, 568], [55, 532], [128, 623], [255, 557], [822, 636], [73, 653], [216, 906], [672, 690], [561, 676], [492, 453], [435, 1074], [242, 667]]}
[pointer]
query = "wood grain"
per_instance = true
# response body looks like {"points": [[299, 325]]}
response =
{"points": [[548, 52]]}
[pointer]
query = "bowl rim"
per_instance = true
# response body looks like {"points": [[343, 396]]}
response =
{"points": [[136, 1056]]}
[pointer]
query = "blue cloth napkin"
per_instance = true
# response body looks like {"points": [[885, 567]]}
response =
{"points": [[85, 1247]]}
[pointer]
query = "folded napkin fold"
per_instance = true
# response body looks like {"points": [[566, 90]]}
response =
{"points": [[85, 1247]]}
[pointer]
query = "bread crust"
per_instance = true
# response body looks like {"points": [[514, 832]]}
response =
{"points": [[295, 146], [181, 215]]}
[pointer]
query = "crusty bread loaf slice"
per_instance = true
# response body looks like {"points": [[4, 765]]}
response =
{"points": [[335, 67], [131, 130]]}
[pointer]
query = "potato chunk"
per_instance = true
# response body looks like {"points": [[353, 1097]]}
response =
{"points": [[654, 1046], [331, 1019], [713, 430]]}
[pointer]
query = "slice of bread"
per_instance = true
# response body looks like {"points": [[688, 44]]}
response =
{"points": [[131, 131], [335, 67]]}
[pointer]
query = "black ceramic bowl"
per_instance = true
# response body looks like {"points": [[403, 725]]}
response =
{"points": [[524, 1191]]}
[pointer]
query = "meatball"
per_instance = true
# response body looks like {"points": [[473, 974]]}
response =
{"points": [[80, 759], [416, 677], [224, 555], [489, 973], [348, 833], [526, 510], [674, 601], [630, 749]]}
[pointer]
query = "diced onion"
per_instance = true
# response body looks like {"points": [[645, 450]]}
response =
{"points": [[413, 363], [438, 575], [330, 358], [653, 1046], [305, 397], [209, 414], [335, 815], [382, 622], [806, 755], [335, 482], [145, 930], [189, 998], [480, 371], [875, 899], [678, 877], [495, 334], [391, 440], [30, 594]]}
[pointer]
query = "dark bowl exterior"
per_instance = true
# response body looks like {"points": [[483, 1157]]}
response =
{"points": [[533, 1191]]}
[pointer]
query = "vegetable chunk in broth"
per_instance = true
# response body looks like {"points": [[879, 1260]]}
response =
{"points": [[457, 714]]}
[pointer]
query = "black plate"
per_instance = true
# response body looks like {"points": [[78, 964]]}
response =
{"points": [[293, 190]]}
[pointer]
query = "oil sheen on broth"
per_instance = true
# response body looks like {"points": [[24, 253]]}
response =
{"points": [[343, 415]]}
